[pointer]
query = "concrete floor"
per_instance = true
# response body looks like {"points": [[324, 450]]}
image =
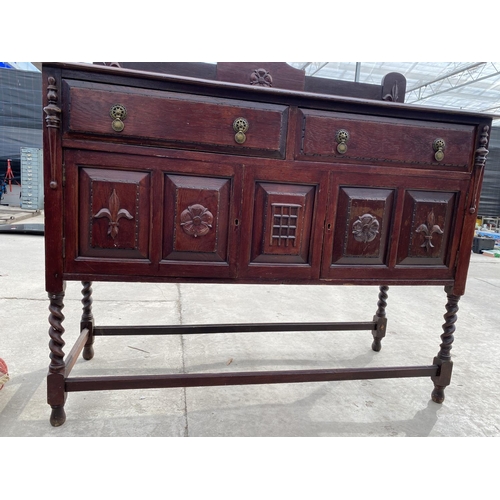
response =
{"points": [[395, 407]]}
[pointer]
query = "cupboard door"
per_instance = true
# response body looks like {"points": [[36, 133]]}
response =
{"points": [[196, 214], [282, 226], [108, 215], [425, 236], [362, 225], [114, 213]]}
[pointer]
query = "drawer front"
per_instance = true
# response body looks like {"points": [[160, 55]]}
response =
{"points": [[348, 138], [177, 120]]}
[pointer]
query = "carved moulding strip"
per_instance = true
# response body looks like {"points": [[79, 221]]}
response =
{"points": [[196, 220], [53, 123]]}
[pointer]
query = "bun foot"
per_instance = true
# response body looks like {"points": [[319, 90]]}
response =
{"points": [[376, 345], [58, 416], [88, 352], [438, 395]]}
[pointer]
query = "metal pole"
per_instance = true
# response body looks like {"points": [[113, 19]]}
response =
{"points": [[358, 70]]}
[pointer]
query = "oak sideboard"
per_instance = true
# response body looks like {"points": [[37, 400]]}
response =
{"points": [[250, 173]]}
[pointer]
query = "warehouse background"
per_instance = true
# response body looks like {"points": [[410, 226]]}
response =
{"points": [[455, 85]]}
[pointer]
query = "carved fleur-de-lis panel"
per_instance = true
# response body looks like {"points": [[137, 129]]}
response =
{"points": [[114, 209], [428, 230], [425, 233], [196, 220], [114, 213]]}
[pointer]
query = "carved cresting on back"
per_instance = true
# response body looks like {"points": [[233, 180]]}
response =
{"points": [[393, 95], [393, 87], [261, 77], [53, 122]]}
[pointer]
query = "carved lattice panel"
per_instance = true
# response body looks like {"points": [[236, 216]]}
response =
{"points": [[427, 223], [361, 230], [115, 213], [196, 218], [282, 223]]}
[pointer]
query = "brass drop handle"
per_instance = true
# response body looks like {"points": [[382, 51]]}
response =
{"points": [[342, 136], [240, 126], [118, 112], [438, 145]]}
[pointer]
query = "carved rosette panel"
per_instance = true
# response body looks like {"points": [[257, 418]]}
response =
{"points": [[424, 238], [363, 218], [261, 77], [196, 220], [366, 228]]}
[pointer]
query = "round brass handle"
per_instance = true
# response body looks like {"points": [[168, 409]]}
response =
{"points": [[119, 113], [240, 126], [438, 145], [342, 136]]}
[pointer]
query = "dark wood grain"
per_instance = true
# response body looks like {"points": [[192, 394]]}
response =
{"points": [[243, 378], [319, 189]]}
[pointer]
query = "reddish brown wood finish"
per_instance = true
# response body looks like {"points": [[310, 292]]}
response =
{"points": [[175, 120], [384, 140], [149, 178]]}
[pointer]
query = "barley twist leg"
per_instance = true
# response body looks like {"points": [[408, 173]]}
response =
{"points": [[87, 320], [380, 318], [443, 358], [56, 395]]}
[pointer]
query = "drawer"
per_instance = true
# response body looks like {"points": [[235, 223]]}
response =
{"points": [[349, 138], [176, 120]]}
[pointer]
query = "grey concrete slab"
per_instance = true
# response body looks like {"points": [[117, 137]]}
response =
{"points": [[396, 407]]}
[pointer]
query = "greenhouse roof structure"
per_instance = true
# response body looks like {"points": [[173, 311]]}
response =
{"points": [[471, 86]]}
